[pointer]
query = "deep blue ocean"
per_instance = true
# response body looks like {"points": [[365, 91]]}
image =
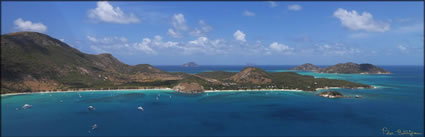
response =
{"points": [[396, 103]]}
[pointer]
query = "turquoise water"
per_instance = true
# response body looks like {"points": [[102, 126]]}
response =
{"points": [[397, 103]]}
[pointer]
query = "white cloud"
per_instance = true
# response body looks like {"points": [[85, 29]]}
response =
{"points": [[22, 25], [294, 7], [92, 39], [178, 21], [364, 21], [202, 30], [239, 35], [144, 46], [107, 40], [174, 34], [273, 4], [279, 47], [337, 49], [248, 13], [402, 48], [200, 41], [107, 13], [157, 42], [179, 26]]}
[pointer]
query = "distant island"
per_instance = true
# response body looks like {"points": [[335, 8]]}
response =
{"points": [[345, 68], [35, 62], [306, 67], [190, 64]]}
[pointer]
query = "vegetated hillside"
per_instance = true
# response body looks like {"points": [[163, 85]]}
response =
{"points": [[354, 68], [252, 75], [253, 78], [32, 61], [219, 75]]}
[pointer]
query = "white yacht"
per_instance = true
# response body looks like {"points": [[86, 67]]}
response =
{"points": [[26, 106]]}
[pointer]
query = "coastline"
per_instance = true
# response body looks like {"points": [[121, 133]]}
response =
{"points": [[53, 91], [296, 90], [170, 89]]}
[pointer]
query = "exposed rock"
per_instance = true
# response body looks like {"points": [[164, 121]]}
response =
{"points": [[353, 68], [331, 94], [190, 64], [189, 87], [306, 67], [252, 75]]}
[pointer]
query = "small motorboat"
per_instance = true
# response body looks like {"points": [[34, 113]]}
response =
{"points": [[94, 126], [26, 106], [357, 96], [91, 108], [140, 108]]}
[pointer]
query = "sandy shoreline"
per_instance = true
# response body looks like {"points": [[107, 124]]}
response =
{"points": [[240, 90], [7, 94], [256, 90]]}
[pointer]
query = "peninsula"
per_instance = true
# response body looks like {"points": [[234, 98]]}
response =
{"points": [[35, 62]]}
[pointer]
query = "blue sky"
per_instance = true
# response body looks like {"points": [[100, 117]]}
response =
{"points": [[230, 33]]}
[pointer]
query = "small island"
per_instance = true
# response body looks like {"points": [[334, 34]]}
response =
{"points": [[190, 64], [306, 67]]}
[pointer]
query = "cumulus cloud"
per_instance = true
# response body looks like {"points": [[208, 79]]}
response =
{"points": [[179, 26], [107, 13], [279, 47], [144, 46], [364, 21], [248, 13], [179, 22], [239, 35], [202, 30], [157, 42], [118, 45], [336, 49], [174, 34], [200, 41], [273, 4], [402, 48], [294, 7], [107, 40], [22, 25]]}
